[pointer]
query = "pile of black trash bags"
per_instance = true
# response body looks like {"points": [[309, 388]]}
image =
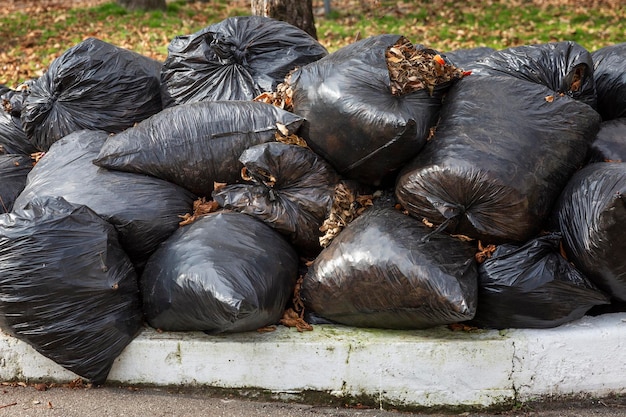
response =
{"points": [[498, 198]]}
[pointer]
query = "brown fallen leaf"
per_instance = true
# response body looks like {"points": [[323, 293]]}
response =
{"points": [[460, 327], [41, 387], [484, 252], [266, 329], [201, 207], [292, 319]]}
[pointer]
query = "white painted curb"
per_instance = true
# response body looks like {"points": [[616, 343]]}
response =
{"points": [[425, 368]]}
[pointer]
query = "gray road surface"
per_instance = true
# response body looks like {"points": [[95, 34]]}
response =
{"points": [[22, 401]]}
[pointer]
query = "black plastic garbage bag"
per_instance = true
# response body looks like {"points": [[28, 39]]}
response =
{"points": [[66, 286], [13, 100], [145, 210], [532, 286], [564, 67], [591, 214], [384, 270], [291, 190], [502, 152], [610, 79], [13, 139], [466, 58], [94, 85], [235, 59], [225, 272], [610, 142], [14, 170], [196, 144], [352, 118]]}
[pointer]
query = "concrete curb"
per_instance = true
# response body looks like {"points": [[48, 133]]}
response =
{"points": [[425, 368]]}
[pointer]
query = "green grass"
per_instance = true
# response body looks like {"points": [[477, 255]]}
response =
{"points": [[32, 41]]}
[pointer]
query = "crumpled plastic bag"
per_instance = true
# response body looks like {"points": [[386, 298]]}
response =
{"points": [[609, 65], [14, 170], [532, 286], [144, 210], [225, 272], [291, 190], [502, 152], [195, 145], [564, 67], [93, 85], [66, 286], [591, 214], [388, 270], [235, 59], [13, 139], [353, 120]]}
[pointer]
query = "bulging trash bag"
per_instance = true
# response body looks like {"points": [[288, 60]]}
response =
{"points": [[610, 78], [93, 85], [225, 272], [14, 170], [502, 152], [13, 139], [235, 59], [591, 214], [66, 286], [610, 142], [564, 67], [388, 270], [291, 190], [145, 210], [352, 117], [532, 286], [466, 58], [13, 100], [197, 144]]}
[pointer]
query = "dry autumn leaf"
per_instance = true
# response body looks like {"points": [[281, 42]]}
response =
{"points": [[484, 252], [201, 207]]}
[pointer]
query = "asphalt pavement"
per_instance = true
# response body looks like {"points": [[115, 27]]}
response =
{"points": [[20, 400]]}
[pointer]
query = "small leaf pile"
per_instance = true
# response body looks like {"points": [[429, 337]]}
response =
{"points": [[412, 69]]}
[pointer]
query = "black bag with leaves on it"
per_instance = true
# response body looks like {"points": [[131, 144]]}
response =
{"points": [[225, 272], [144, 210], [532, 286], [564, 67], [352, 118], [14, 170], [591, 214], [195, 145], [66, 286], [235, 59], [13, 100], [291, 190], [502, 152], [388, 270], [13, 139], [610, 142], [93, 85], [610, 79]]}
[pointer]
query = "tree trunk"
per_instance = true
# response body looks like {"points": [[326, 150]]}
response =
{"points": [[297, 12], [142, 4]]}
